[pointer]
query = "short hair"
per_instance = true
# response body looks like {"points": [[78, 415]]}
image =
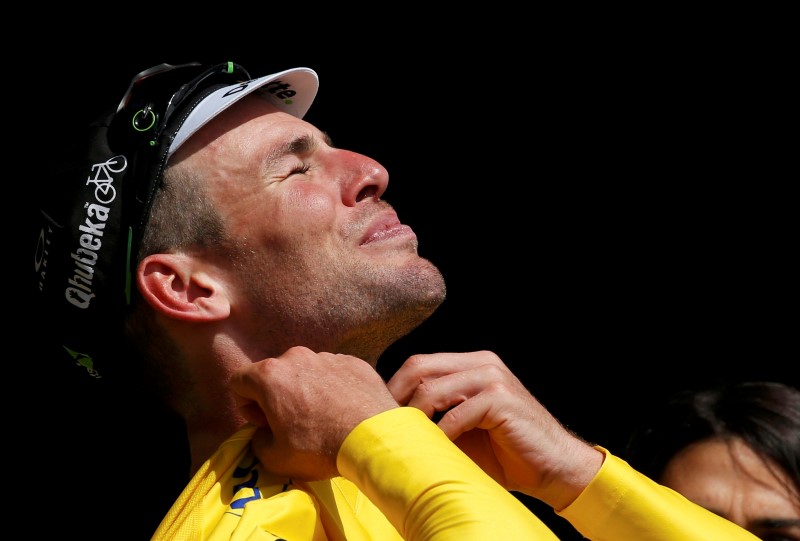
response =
{"points": [[182, 217]]}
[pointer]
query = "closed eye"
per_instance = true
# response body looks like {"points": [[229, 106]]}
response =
{"points": [[300, 170]]}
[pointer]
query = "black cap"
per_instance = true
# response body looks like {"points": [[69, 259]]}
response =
{"points": [[92, 217]]}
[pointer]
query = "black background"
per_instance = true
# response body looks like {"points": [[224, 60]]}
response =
{"points": [[607, 202]]}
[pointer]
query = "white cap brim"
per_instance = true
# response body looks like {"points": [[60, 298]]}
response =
{"points": [[292, 90]]}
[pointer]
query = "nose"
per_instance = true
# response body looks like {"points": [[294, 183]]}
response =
{"points": [[361, 177]]}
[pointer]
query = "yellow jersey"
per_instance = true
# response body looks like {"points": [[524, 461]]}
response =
{"points": [[403, 479]]}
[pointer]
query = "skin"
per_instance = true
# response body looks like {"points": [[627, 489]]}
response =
{"points": [[322, 261], [318, 278], [322, 279], [730, 479], [494, 419]]}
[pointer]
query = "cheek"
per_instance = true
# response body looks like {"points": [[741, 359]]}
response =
{"points": [[306, 210], [283, 218], [310, 202]]}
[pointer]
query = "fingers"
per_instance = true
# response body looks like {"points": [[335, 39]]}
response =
{"points": [[252, 412], [478, 409], [419, 369], [440, 381], [335, 392], [498, 423]]}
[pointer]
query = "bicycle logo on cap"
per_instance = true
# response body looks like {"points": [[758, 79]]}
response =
{"points": [[104, 190]]}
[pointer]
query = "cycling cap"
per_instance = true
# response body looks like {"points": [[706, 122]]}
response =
{"points": [[93, 214]]}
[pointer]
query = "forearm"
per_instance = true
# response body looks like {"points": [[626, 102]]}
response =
{"points": [[621, 503], [427, 487]]}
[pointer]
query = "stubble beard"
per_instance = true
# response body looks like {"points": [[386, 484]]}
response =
{"points": [[352, 308]]}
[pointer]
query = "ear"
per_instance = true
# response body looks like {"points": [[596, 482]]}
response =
{"points": [[178, 286]]}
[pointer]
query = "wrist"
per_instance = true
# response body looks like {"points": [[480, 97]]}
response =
{"points": [[570, 479]]}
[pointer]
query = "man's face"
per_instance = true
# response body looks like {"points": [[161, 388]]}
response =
{"points": [[321, 260]]}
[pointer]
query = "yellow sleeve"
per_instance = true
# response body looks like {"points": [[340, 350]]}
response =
{"points": [[621, 503], [427, 487]]}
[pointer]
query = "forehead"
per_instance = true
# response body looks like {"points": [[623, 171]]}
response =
{"points": [[719, 474]]}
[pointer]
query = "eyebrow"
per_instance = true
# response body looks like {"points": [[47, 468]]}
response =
{"points": [[300, 144], [776, 523], [768, 523]]}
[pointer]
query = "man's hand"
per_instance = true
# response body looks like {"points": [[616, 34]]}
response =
{"points": [[493, 418], [306, 404]]}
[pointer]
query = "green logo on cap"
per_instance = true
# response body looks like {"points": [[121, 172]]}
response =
{"points": [[84, 360]]}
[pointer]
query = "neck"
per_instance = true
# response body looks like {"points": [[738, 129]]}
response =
{"points": [[207, 431], [207, 406]]}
